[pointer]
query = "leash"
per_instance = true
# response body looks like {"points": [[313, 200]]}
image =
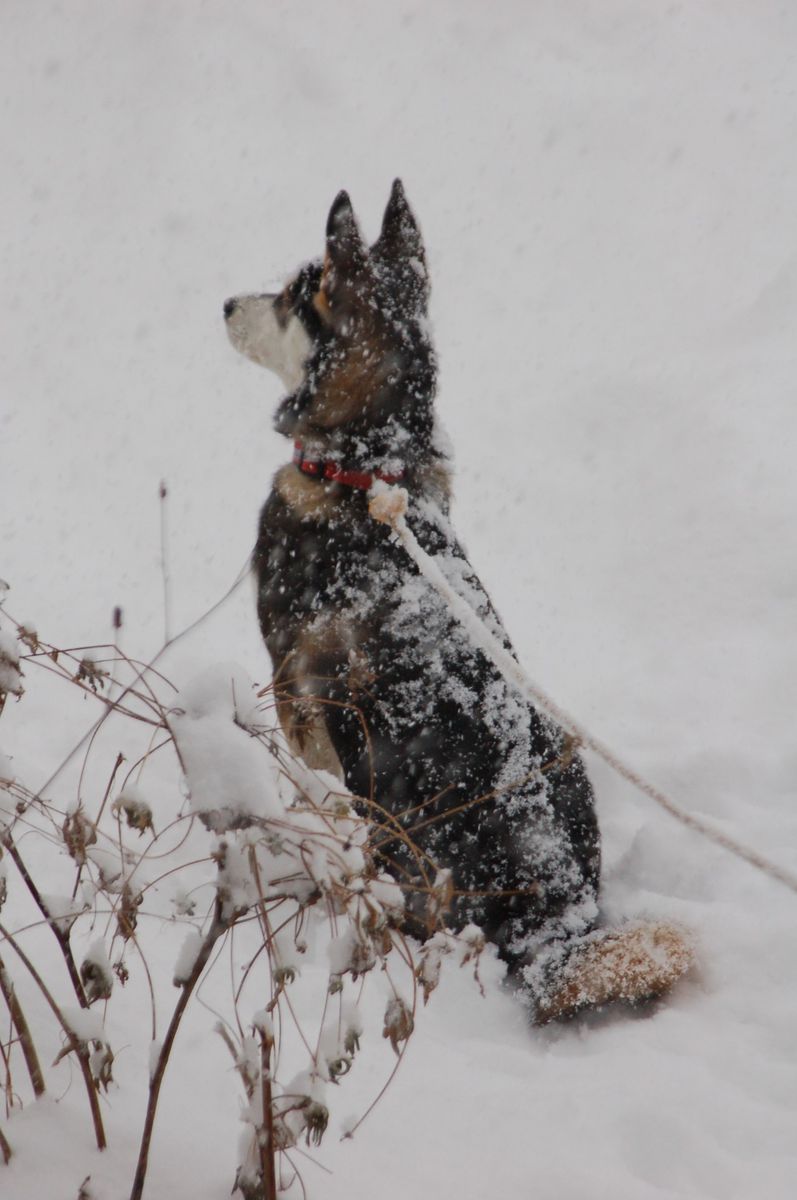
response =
{"points": [[389, 506]]}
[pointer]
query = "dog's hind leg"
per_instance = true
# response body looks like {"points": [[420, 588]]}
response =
{"points": [[316, 687], [304, 725]]}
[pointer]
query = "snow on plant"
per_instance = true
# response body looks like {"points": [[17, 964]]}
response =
{"points": [[10, 673], [212, 808], [96, 974]]}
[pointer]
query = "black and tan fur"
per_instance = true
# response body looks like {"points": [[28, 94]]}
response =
{"points": [[376, 681]]}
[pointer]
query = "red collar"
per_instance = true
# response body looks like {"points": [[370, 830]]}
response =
{"points": [[320, 468]]}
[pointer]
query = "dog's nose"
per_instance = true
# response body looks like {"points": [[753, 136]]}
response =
{"points": [[229, 308]]}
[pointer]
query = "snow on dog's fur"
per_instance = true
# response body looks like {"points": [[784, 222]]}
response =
{"points": [[482, 807]]}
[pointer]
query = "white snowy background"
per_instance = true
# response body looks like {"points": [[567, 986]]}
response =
{"points": [[608, 191]]}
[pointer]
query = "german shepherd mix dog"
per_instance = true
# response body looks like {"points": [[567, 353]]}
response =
{"points": [[375, 679]]}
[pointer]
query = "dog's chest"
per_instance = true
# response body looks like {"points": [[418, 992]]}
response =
{"points": [[342, 598]]}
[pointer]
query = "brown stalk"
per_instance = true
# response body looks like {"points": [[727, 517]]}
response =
{"points": [[23, 1031], [79, 1047], [61, 937], [268, 1152], [218, 926], [163, 493]]}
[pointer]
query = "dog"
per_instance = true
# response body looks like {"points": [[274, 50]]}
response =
{"points": [[481, 805]]}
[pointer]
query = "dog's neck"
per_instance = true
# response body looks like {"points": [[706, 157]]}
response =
{"points": [[369, 412], [318, 465], [402, 442]]}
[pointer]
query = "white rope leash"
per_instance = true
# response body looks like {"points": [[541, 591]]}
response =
{"points": [[389, 505]]}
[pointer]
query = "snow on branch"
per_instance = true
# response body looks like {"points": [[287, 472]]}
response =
{"points": [[185, 809]]}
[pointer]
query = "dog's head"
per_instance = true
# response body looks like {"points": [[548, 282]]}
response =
{"points": [[347, 334]]}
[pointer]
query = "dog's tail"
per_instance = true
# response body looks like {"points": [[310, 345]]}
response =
{"points": [[634, 964]]}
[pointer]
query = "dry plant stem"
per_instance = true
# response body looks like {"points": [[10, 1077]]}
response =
{"points": [[230, 1044], [61, 937], [114, 705], [111, 705], [23, 1031], [562, 760], [79, 1047], [268, 942], [218, 927], [139, 762], [8, 1084], [120, 758], [268, 1152], [150, 986], [163, 493], [5, 1149]]}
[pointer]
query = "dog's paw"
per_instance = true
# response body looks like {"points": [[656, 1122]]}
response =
{"points": [[634, 964]]}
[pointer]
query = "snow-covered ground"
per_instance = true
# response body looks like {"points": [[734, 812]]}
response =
{"points": [[607, 190]]}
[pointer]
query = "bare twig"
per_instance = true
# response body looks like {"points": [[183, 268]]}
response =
{"points": [[163, 493], [60, 936], [113, 706], [218, 927], [75, 1043], [315, 838], [117, 765], [268, 1150], [23, 1031]]}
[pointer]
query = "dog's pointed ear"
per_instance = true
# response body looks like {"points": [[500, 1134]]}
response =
{"points": [[346, 257], [345, 246], [401, 235], [399, 249]]}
